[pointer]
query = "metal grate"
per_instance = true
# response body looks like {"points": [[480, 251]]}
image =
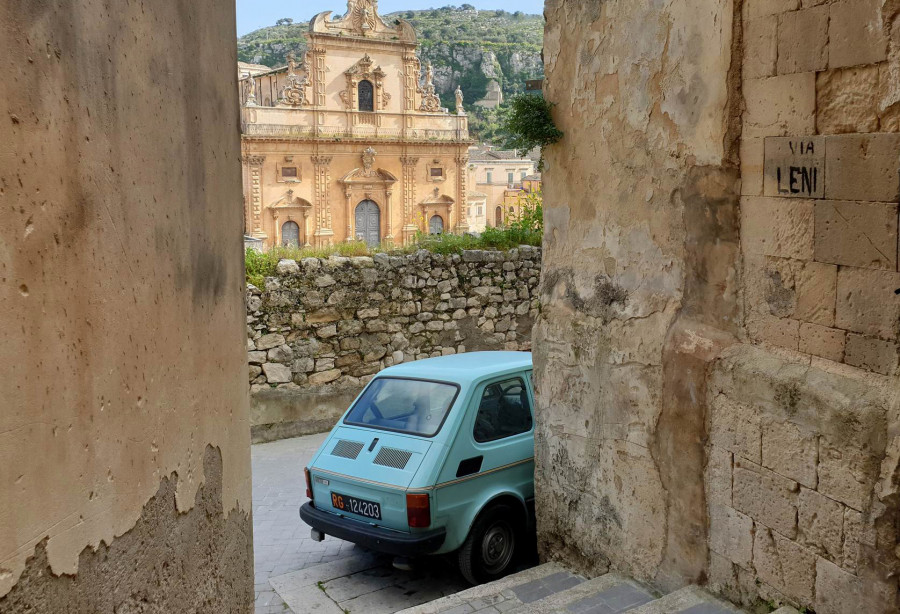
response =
{"points": [[392, 457], [347, 449]]}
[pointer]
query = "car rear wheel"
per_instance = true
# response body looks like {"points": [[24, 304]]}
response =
{"points": [[490, 548]]}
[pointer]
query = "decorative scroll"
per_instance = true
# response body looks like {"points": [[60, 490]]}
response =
{"points": [[430, 100], [294, 93]]}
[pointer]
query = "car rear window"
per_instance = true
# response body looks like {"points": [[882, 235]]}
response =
{"points": [[413, 406]]}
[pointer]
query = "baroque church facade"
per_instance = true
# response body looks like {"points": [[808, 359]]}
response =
{"points": [[352, 143]]}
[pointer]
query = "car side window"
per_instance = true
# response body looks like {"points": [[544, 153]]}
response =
{"points": [[504, 411]]}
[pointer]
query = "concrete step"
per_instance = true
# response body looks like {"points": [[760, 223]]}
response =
{"points": [[532, 584], [688, 600], [606, 594]]}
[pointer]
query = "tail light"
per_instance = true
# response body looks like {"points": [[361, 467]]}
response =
{"points": [[309, 494], [418, 510]]}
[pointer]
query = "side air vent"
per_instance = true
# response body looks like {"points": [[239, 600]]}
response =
{"points": [[392, 457], [347, 449]]}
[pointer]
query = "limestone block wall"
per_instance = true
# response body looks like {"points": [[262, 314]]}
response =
{"points": [[716, 355], [321, 328], [800, 483], [820, 265], [124, 436]]}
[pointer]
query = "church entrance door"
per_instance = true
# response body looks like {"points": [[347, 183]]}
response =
{"points": [[368, 223], [290, 234]]}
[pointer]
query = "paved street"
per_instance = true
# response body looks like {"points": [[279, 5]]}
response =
{"points": [[296, 574]]}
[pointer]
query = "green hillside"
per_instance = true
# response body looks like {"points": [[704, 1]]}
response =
{"points": [[467, 47]]}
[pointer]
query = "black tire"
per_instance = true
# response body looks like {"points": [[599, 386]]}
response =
{"points": [[490, 549]]}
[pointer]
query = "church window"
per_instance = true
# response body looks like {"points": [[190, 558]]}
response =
{"points": [[289, 172], [437, 173], [366, 96]]}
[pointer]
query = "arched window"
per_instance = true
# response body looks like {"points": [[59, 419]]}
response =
{"points": [[436, 225], [290, 234], [498, 217], [366, 96]]}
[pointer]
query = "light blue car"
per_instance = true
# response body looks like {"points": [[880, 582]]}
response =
{"points": [[433, 457]]}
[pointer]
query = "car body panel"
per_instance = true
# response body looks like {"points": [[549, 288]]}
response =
{"points": [[506, 469]]}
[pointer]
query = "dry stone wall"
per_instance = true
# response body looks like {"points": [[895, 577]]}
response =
{"points": [[321, 328]]}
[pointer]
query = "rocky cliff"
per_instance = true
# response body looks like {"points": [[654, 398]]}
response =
{"points": [[466, 46]]}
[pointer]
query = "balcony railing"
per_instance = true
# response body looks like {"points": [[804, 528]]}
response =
{"points": [[291, 124]]}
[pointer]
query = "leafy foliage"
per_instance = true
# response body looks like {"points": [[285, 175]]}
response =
{"points": [[529, 123]]}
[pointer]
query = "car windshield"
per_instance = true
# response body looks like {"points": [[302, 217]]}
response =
{"points": [[407, 405]]}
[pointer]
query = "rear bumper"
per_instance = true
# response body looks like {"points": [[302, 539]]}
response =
{"points": [[373, 538]]}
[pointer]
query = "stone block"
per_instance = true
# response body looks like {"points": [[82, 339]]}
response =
{"points": [[860, 234], [718, 476], [781, 332], [794, 167], [873, 354], [867, 302], [847, 473], [327, 332], [760, 47], [785, 565], [803, 40], [256, 358], [277, 373], [768, 498], [862, 167], [845, 102], [777, 227], [752, 165], [856, 534], [837, 591], [324, 377], [735, 427], [820, 522], [780, 106], [790, 451], [282, 354], [822, 341], [267, 342], [816, 286], [759, 8], [731, 535], [856, 34]]}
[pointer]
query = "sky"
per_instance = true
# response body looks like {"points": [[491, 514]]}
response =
{"points": [[255, 14]]}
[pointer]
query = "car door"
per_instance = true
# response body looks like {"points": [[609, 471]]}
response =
{"points": [[493, 453]]}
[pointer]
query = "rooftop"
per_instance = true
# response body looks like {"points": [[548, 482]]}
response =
{"points": [[461, 368]]}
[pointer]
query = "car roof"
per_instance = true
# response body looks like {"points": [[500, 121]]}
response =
{"points": [[462, 368]]}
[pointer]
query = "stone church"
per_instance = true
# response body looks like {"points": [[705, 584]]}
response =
{"points": [[352, 142]]}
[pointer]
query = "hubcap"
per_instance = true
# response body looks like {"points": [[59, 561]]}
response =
{"points": [[497, 547]]}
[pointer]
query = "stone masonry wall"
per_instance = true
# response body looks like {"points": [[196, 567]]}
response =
{"points": [[321, 328], [716, 356]]}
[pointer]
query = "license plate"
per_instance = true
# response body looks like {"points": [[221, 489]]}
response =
{"points": [[361, 507]]}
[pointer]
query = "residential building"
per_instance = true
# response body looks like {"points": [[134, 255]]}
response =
{"points": [[498, 174]]}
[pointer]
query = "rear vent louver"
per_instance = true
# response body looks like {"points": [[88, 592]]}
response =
{"points": [[347, 449], [392, 457]]}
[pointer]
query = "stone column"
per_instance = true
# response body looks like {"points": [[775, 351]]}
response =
{"points": [[462, 195], [348, 194], [322, 207], [409, 196], [306, 242], [254, 170], [389, 234]]}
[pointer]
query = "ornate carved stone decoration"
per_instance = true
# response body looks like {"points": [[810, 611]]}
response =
{"points": [[430, 100], [364, 70], [251, 92], [362, 19], [368, 158], [254, 160], [294, 93]]}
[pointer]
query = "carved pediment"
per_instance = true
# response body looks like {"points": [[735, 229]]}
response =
{"points": [[362, 19], [288, 200], [361, 175], [436, 198]]}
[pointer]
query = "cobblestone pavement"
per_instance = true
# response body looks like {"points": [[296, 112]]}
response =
{"points": [[281, 541]]}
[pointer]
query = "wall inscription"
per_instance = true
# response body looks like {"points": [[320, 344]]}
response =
{"points": [[795, 167]]}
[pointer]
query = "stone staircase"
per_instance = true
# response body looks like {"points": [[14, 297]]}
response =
{"points": [[550, 588]]}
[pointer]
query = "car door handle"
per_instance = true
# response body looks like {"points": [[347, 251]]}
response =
{"points": [[469, 466]]}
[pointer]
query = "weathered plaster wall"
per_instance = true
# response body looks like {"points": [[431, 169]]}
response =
{"points": [[121, 289], [716, 359], [321, 328], [639, 266]]}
